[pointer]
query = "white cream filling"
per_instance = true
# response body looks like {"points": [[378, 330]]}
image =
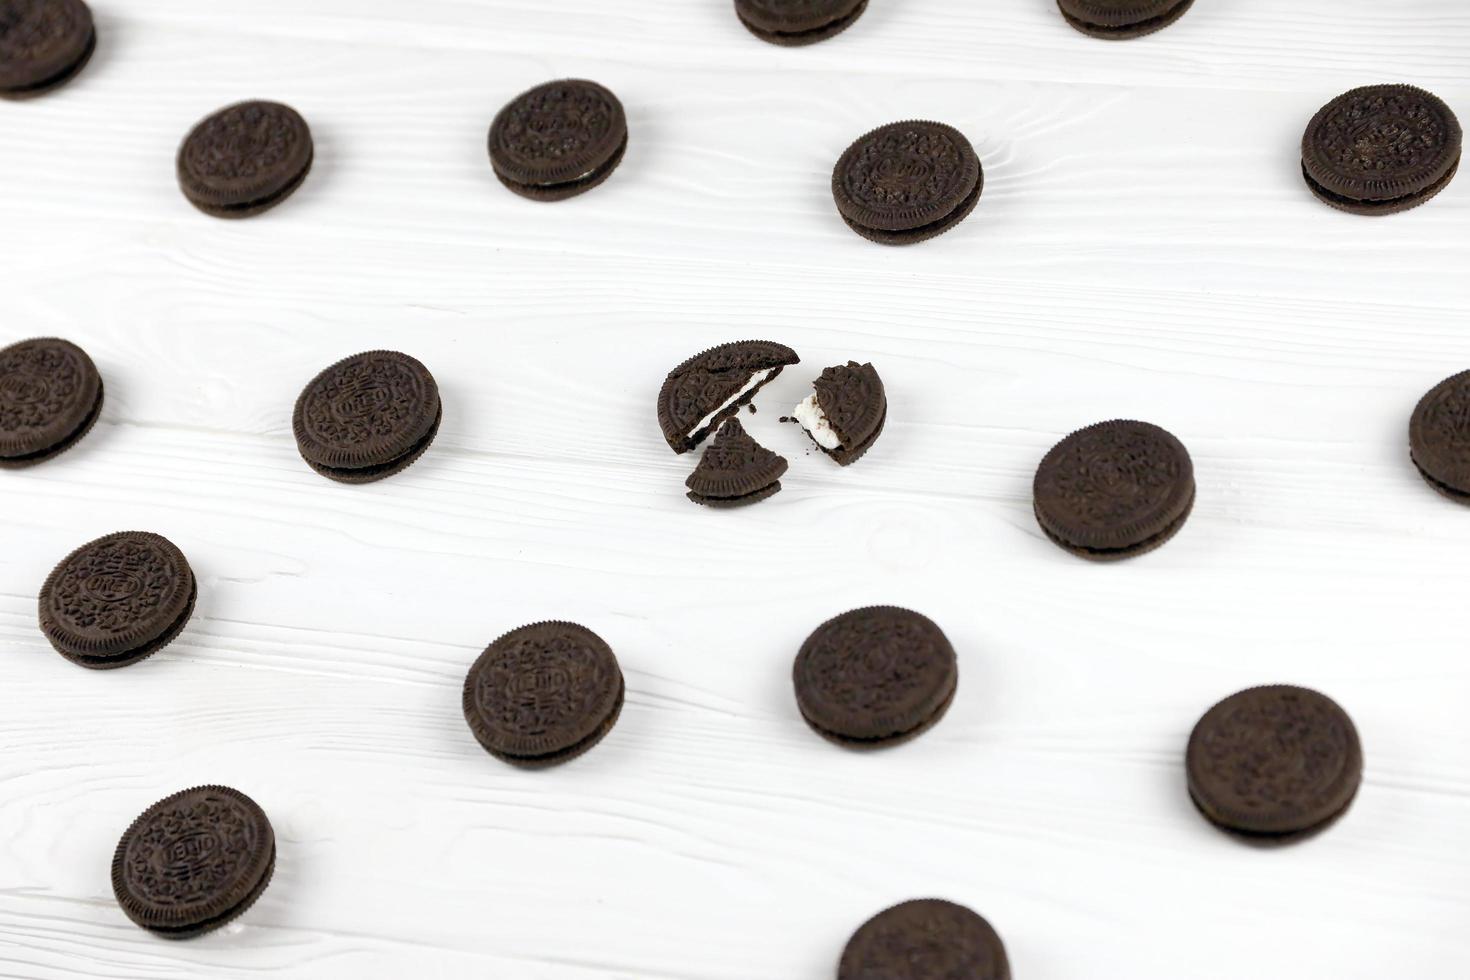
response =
{"points": [[755, 381], [814, 421]]}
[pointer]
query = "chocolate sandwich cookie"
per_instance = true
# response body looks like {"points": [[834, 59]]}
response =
{"points": [[925, 939], [1274, 762], [558, 140], [1439, 437], [117, 600], [43, 45], [846, 413], [796, 22], [1381, 149], [245, 159], [875, 676], [735, 470], [1118, 20], [50, 397], [194, 861], [907, 182], [543, 694], [1114, 490], [712, 386], [367, 417]]}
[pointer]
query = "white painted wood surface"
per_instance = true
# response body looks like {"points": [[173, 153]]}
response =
{"points": [[1144, 247]]}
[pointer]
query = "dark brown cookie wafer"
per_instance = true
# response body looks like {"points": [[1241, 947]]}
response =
{"points": [[43, 45], [925, 939], [367, 417], [875, 676], [117, 600], [1119, 20], [1381, 149], [712, 386], [796, 22], [1439, 437], [245, 159], [50, 397], [558, 140], [1274, 762], [735, 470], [846, 413], [907, 182], [194, 861], [543, 694], [1114, 490]]}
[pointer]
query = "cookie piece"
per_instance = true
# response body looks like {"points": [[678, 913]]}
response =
{"points": [[1114, 490], [1119, 20], [846, 413], [1274, 762], [50, 397], [543, 694], [791, 23], [117, 600], [245, 159], [43, 45], [1381, 149], [194, 861], [1439, 437], [875, 676], [735, 470], [558, 140], [712, 386], [925, 939], [367, 417], [907, 182]]}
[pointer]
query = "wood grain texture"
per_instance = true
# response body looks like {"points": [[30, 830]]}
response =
{"points": [[1145, 247]]}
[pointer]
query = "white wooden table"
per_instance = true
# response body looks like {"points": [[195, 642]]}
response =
{"points": [[1145, 247]]}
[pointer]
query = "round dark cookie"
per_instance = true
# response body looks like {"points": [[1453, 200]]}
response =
{"points": [[1120, 20], [558, 140], [875, 676], [1114, 490], [735, 470], [194, 861], [43, 45], [792, 23], [706, 382], [853, 399], [1274, 762], [367, 417], [1381, 149], [50, 397], [543, 694], [117, 600], [245, 159], [1439, 437], [925, 939], [907, 182]]}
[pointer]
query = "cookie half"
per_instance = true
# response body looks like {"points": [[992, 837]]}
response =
{"points": [[925, 939], [846, 413], [1381, 149], [367, 417], [735, 470], [543, 694], [558, 140], [712, 386], [117, 600], [875, 676], [194, 861], [1439, 437], [43, 45], [1114, 490], [791, 23], [50, 397], [245, 159], [1119, 20], [1274, 762], [907, 182]]}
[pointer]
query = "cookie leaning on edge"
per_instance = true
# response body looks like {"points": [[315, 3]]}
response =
{"points": [[367, 417], [713, 385], [846, 413], [907, 182], [558, 140], [1120, 20], [735, 470], [1439, 439], [791, 23], [925, 939], [245, 159], [50, 397], [43, 45]]}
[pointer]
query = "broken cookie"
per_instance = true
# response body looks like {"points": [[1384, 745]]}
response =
{"points": [[844, 416], [735, 471], [710, 387]]}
